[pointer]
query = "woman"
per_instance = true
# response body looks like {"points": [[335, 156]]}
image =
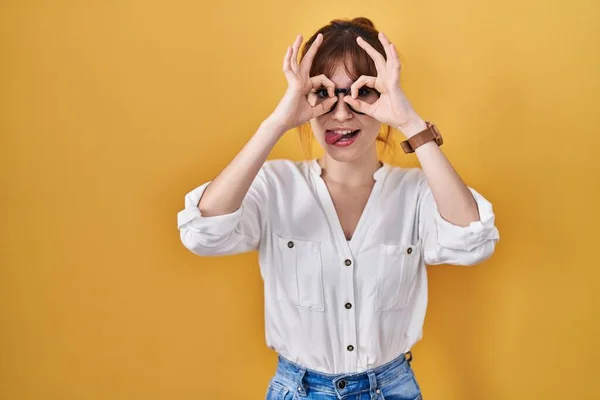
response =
{"points": [[343, 240]]}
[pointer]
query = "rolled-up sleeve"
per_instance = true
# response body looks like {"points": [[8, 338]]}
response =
{"points": [[237, 232], [446, 243]]}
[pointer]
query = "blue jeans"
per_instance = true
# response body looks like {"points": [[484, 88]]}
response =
{"points": [[392, 381]]}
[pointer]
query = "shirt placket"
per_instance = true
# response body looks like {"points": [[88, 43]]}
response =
{"points": [[347, 261], [347, 304]]}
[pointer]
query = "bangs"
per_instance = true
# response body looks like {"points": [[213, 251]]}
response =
{"points": [[343, 49]]}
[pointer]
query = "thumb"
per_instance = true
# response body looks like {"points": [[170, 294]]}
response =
{"points": [[356, 104], [324, 107]]}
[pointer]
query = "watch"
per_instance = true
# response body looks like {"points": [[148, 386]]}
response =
{"points": [[430, 133]]}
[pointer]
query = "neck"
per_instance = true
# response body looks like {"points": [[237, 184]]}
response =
{"points": [[353, 173]]}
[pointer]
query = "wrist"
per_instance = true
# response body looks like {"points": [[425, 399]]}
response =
{"points": [[273, 125], [413, 126]]}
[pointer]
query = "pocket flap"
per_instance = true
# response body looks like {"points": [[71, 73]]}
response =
{"points": [[410, 250], [297, 245]]}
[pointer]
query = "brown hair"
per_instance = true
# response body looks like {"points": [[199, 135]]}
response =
{"points": [[339, 46]]}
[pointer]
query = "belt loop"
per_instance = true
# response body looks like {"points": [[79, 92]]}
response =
{"points": [[373, 389], [299, 386], [409, 354]]}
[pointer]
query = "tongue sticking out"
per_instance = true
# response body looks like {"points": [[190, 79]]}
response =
{"points": [[332, 137]]}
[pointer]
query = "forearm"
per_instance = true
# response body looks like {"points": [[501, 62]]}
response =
{"points": [[454, 200], [226, 192]]}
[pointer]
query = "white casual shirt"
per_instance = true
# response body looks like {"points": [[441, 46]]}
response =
{"points": [[333, 305]]}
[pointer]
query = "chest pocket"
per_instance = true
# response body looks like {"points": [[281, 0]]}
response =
{"points": [[397, 276], [300, 273]]}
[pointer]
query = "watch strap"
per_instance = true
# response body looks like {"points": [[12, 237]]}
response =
{"points": [[427, 135]]}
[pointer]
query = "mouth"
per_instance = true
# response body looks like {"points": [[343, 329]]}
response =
{"points": [[341, 137]]}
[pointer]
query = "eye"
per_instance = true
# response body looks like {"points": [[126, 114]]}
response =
{"points": [[364, 91], [322, 92]]}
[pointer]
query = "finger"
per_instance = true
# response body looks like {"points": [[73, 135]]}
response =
{"points": [[310, 55], [295, 49], [324, 107], [312, 98], [375, 55], [364, 80], [286, 59], [322, 80], [386, 46], [395, 58], [359, 105]]}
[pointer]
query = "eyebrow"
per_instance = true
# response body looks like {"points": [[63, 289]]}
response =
{"points": [[349, 84], [347, 87]]}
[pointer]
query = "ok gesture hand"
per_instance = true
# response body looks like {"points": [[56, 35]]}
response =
{"points": [[392, 107], [294, 108]]}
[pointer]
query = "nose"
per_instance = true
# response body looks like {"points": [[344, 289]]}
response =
{"points": [[341, 109]]}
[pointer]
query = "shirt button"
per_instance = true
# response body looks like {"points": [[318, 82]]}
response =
{"points": [[348, 305], [348, 262], [409, 250], [342, 384], [290, 244], [350, 348]]}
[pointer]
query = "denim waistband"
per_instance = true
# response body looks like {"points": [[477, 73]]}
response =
{"points": [[304, 379]]}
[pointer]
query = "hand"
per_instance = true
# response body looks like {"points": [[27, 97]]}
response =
{"points": [[392, 107], [294, 109]]}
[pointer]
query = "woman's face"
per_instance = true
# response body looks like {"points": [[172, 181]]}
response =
{"points": [[328, 128]]}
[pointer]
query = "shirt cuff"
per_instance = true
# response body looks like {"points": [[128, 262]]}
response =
{"points": [[191, 217], [469, 237]]}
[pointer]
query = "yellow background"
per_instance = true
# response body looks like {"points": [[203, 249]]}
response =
{"points": [[113, 110]]}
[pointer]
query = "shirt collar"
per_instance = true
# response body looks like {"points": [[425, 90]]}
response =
{"points": [[378, 175]]}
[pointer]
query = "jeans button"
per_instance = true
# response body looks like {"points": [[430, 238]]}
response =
{"points": [[341, 384]]}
